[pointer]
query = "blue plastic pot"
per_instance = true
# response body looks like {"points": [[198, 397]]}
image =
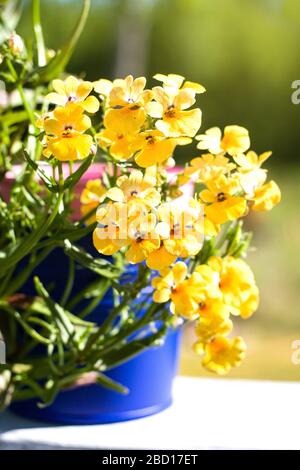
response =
{"points": [[148, 377]]}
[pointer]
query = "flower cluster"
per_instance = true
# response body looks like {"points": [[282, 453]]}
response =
{"points": [[209, 295], [232, 175], [147, 124], [194, 244], [65, 127]]}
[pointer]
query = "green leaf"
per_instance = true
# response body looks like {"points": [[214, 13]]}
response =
{"points": [[38, 32], [30, 331], [21, 249], [122, 354], [13, 117], [50, 393], [111, 384], [234, 237], [75, 177], [59, 315], [102, 289], [49, 182], [243, 246], [98, 265], [80, 322], [60, 61]]}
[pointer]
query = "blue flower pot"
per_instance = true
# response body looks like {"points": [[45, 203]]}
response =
{"points": [[149, 376]]}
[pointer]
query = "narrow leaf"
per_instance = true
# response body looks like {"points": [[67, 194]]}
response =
{"points": [[111, 384], [49, 182], [98, 265], [75, 177], [59, 62]]}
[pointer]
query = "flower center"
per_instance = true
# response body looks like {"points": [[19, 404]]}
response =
{"points": [[139, 236], [67, 131], [176, 230], [170, 113], [134, 107], [221, 197], [150, 139]]}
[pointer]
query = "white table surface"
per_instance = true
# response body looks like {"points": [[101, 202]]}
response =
{"points": [[206, 414]]}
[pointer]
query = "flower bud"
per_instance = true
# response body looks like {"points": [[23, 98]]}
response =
{"points": [[16, 44], [50, 53], [94, 149]]}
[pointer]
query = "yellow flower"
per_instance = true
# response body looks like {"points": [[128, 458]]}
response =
{"points": [[266, 197], [129, 93], [40, 122], [136, 187], [237, 284], [111, 233], [208, 167], [121, 128], [168, 280], [209, 280], [181, 228], [65, 138], [170, 108], [210, 228], [91, 196], [153, 147], [122, 225], [73, 90], [188, 296], [223, 202], [160, 258], [185, 294], [250, 172], [221, 354], [173, 81], [235, 140], [210, 141], [143, 238], [103, 87], [214, 321]]}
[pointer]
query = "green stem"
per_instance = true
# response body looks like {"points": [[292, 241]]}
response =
{"points": [[81, 294], [32, 240], [60, 175], [23, 276], [227, 227], [20, 89], [70, 282], [17, 317], [26, 104], [12, 69], [93, 304], [4, 283], [73, 235], [126, 332], [38, 32]]}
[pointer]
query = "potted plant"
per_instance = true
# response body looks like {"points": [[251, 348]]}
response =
{"points": [[92, 301]]}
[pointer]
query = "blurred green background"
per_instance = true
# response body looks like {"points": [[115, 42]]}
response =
{"points": [[246, 53]]}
